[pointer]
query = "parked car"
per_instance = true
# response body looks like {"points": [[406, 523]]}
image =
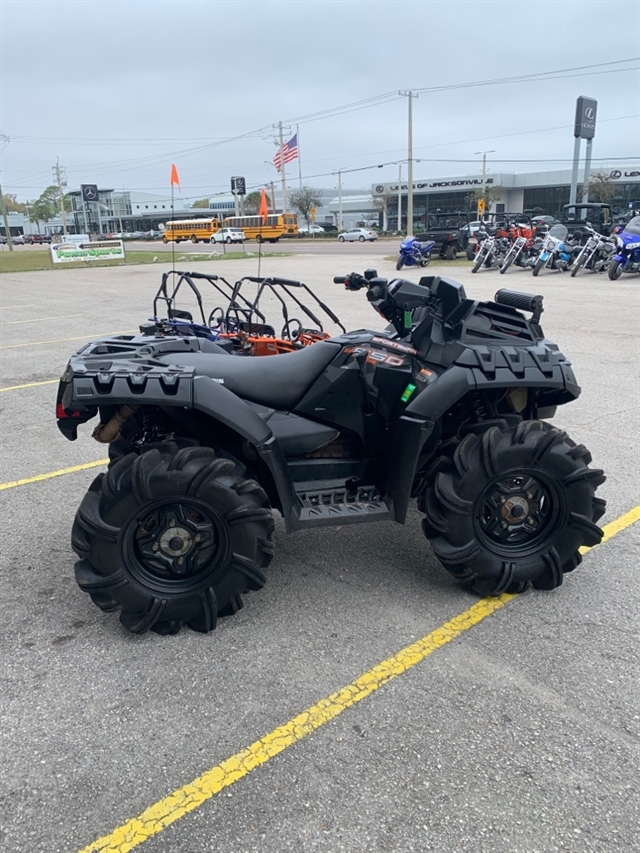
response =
{"points": [[328, 227], [38, 238], [17, 239], [311, 229], [228, 235], [360, 234]]}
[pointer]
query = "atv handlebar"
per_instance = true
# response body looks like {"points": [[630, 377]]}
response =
{"points": [[521, 301]]}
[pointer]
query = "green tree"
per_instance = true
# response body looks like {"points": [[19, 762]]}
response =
{"points": [[11, 203], [252, 202], [601, 188], [303, 200], [491, 194], [201, 202], [48, 205]]}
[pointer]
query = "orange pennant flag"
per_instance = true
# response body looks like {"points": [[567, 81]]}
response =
{"points": [[264, 207], [174, 176]]}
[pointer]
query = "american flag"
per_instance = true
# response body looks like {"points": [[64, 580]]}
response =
{"points": [[290, 150]]}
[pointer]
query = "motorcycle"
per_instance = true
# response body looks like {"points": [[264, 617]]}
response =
{"points": [[556, 253], [520, 249], [595, 254], [491, 250], [413, 253], [627, 258]]}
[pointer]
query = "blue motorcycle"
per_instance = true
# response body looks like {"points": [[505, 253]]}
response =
{"points": [[628, 257], [413, 253], [556, 253]]}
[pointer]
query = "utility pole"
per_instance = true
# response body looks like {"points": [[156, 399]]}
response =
{"points": [[273, 197], [284, 182], [484, 169], [400, 197], [411, 96], [340, 200], [299, 159], [4, 141], [61, 180]]}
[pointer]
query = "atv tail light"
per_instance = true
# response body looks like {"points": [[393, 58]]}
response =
{"points": [[61, 413]]}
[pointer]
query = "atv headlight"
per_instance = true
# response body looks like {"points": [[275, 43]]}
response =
{"points": [[633, 245]]}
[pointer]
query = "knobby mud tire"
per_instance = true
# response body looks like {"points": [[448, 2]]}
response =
{"points": [[192, 483], [464, 480], [399, 264]]}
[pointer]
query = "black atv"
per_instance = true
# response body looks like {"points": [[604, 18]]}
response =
{"points": [[446, 405]]}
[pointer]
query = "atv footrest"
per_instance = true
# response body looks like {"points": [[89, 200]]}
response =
{"points": [[329, 503]]}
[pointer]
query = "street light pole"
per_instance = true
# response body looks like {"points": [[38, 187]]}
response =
{"points": [[340, 200], [484, 169], [400, 197], [410, 95]]}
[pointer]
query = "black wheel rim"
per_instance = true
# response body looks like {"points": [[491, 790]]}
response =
{"points": [[176, 544], [519, 512]]}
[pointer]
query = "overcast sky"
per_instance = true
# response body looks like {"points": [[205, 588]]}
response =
{"points": [[118, 90]]}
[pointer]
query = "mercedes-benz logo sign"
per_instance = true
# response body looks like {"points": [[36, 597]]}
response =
{"points": [[89, 193], [379, 189], [615, 175], [590, 113]]}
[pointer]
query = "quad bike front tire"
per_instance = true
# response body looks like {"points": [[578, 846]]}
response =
{"points": [[512, 506], [172, 537], [399, 264]]}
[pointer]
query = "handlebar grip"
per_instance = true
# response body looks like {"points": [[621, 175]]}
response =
{"points": [[340, 279], [521, 301], [287, 281]]}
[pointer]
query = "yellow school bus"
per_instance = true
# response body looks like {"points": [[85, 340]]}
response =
{"points": [[196, 230], [277, 225]]}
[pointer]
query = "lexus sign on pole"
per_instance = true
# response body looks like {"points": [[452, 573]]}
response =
{"points": [[585, 126]]}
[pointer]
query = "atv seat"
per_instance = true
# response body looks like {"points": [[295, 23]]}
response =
{"points": [[277, 381]]}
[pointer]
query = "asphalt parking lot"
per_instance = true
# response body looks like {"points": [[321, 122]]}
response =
{"points": [[513, 731]]}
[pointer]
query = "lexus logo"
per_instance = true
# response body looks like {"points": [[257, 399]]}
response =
{"points": [[590, 113], [615, 175]]}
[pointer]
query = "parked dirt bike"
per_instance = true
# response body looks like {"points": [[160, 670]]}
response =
{"points": [[556, 253], [413, 253], [596, 253], [627, 258], [447, 404]]}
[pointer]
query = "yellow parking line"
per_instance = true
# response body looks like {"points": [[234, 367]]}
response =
{"points": [[62, 340], [28, 385], [39, 319], [40, 477], [192, 795]]}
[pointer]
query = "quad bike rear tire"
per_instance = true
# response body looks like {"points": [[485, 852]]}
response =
{"points": [[512, 506], [451, 252], [172, 537]]}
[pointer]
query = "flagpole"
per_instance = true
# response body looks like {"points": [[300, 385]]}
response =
{"points": [[284, 182], [173, 242], [299, 160]]}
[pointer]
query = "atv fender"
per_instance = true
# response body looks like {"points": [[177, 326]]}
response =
{"points": [[216, 401]]}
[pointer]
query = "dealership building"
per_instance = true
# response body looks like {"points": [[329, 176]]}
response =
{"points": [[525, 192]]}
